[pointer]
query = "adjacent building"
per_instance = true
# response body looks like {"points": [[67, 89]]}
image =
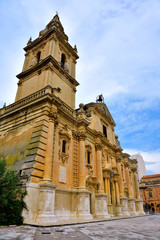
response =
{"points": [[141, 165], [70, 160], [150, 189]]}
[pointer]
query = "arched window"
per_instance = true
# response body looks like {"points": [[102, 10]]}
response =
{"points": [[63, 146], [150, 194], [63, 59], [38, 57]]}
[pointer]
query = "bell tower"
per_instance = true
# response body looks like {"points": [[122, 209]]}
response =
{"points": [[49, 60]]}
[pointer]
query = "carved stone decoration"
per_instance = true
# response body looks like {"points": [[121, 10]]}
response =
{"points": [[104, 158], [81, 135], [63, 156], [53, 114], [98, 146], [64, 136], [91, 182], [75, 134], [126, 192]]}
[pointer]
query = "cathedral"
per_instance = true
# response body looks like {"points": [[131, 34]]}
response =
{"points": [[70, 160]]}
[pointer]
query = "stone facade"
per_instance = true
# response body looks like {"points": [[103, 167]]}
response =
{"points": [[70, 161], [150, 189]]}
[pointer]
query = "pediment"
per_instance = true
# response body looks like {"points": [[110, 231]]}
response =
{"points": [[105, 112]]}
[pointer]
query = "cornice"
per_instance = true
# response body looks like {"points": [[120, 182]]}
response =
{"points": [[125, 155], [83, 122], [45, 62], [47, 35]]}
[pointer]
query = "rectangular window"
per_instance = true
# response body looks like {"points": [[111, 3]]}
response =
{"points": [[63, 146], [104, 131], [150, 194], [88, 157]]}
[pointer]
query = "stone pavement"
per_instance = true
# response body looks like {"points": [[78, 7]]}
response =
{"points": [[146, 228]]}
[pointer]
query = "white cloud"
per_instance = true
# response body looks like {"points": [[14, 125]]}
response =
{"points": [[118, 42], [151, 159], [119, 47]]}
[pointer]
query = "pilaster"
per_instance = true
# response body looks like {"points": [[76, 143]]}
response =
{"points": [[126, 164], [84, 205], [46, 204], [99, 167], [101, 210], [82, 163]]}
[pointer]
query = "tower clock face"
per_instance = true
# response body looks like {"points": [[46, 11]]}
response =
{"points": [[104, 111]]}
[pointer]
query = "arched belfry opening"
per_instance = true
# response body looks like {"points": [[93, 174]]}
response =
{"points": [[38, 57], [63, 60]]}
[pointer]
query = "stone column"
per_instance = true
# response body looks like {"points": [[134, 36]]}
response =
{"points": [[82, 161], [84, 205], [117, 192], [120, 179], [47, 188], [136, 186], [113, 193], [106, 185], [109, 187], [118, 206], [128, 179], [133, 184], [46, 204], [49, 153], [138, 201], [101, 210], [110, 207], [99, 167]]}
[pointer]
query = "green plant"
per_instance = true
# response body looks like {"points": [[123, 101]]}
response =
{"points": [[11, 196]]}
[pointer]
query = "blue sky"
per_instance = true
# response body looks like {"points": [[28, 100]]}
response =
{"points": [[118, 43]]}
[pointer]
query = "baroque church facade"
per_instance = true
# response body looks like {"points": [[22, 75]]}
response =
{"points": [[70, 160]]}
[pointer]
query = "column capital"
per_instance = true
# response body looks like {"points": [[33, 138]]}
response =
{"points": [[126, 164], [118, 159], [81, 135], [98, 146], [53, 115]]}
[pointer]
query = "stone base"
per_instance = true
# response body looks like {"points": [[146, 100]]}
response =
{"points": [[84, 205], [139, 207], [124, 207], [131, 207], [118, 211], [46, 219], [110, 210], [46, 204], [31, 200], [101, 210]]}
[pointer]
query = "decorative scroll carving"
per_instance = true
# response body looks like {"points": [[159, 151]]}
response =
{"points": [[98, 146], [75, 134], [53, 114], [81, 135], [64, 136], [63, 156], [118, 159], [126, 192], [126, 164], [88, 148], [91, 182]]}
